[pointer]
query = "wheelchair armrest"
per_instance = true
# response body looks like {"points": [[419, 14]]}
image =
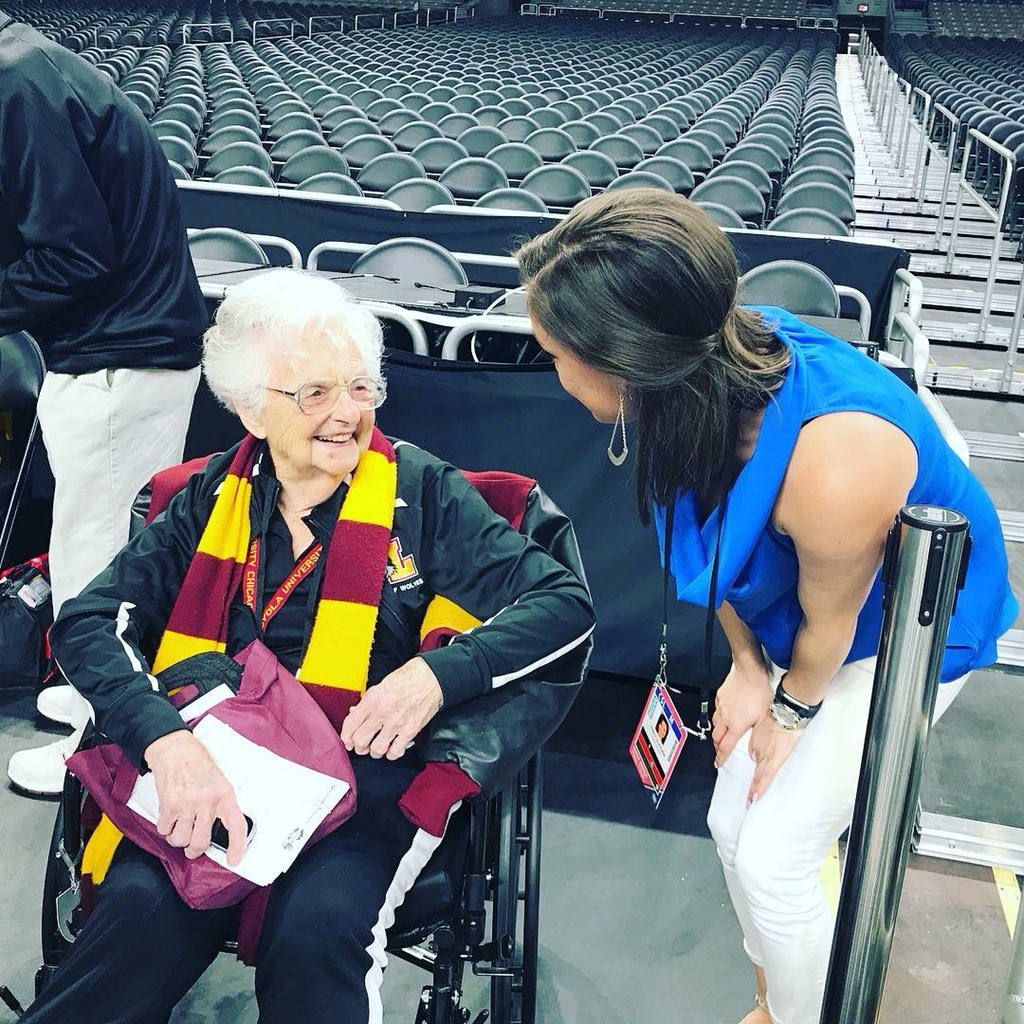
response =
{"points": [[492, 737]]}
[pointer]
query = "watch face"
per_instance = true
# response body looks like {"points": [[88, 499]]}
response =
{"points": [[786, 716]]}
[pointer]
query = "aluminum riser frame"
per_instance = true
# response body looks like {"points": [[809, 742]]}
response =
{"points": [[969, 842]]}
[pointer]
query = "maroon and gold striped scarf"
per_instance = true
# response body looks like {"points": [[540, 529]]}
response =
{"points": [[336, 663]]}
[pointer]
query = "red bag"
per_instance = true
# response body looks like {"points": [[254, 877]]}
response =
{"points": [[271, 708]]}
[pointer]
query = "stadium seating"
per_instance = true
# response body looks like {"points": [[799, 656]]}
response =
{"points": [[559, 108], [981, 81]]}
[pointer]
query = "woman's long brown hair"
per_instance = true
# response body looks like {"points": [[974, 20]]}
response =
{"points": [[641, 285]]}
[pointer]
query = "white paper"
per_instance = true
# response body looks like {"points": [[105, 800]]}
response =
{"points": [[286, 801], [194, 708]]}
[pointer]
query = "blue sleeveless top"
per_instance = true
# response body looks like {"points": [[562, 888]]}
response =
{"points": [[758, 565]]}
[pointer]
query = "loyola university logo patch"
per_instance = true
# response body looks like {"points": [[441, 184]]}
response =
{"points": [[401, 567]]}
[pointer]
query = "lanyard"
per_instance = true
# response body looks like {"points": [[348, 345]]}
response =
{"points": [[703, 729], [303, 567]]}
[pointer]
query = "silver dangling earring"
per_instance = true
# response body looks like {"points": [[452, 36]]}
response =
{"points": [[619, 424]]}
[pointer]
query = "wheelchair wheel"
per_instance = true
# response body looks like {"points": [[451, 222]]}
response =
{"points": [[517, 880], [505, 994], [59, 884], [531, 889]]}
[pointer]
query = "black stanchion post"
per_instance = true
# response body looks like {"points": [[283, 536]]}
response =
{"points": [[924, 565]]}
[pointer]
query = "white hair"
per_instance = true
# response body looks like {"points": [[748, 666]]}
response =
{"points": [[272, 314]]}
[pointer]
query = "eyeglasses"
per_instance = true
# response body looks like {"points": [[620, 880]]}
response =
{"points": [[319, 396]]}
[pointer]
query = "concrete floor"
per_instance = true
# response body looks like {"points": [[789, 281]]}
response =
{"points": [[630, 912]]}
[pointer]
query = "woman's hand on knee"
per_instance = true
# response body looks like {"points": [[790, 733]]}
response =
{"points": [[193, 793], [742, 700], [770, 745]]}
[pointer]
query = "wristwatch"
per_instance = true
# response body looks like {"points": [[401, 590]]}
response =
{"points": [[789, 712]]}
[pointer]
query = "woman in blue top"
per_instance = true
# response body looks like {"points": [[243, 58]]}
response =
{"points": [[791, 452]]}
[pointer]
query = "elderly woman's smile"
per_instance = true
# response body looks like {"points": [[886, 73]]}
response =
{"points": [[317, 416]]}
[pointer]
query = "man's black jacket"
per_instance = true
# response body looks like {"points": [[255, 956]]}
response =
{"points": [[93, 253]]}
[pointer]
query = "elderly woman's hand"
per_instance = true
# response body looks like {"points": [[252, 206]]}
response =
{"points": [[193, 793], [393, 713]]}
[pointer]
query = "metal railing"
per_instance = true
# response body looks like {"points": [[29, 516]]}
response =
{"points": [[997, 214], [925, 560], [274, 21], [677, 17], [1013, 345], [951, 143], [382, 18], [327, 17], [188, 26]]}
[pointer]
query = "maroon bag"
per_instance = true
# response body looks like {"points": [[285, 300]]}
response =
{"points": [[271, 708]]}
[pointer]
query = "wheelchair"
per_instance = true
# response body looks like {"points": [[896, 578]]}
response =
{"points": [[476, 903]]}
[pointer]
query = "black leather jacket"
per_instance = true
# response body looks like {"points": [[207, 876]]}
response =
{"points": [[94, 258], [507, 683]]}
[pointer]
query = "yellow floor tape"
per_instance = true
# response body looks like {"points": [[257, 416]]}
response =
{"points": [[1009, 895], [830, 877]]}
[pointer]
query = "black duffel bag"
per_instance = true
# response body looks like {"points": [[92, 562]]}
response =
{"points": [[26, 613]]}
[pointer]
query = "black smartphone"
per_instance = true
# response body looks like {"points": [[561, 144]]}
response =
{"points": [[219, 833]]}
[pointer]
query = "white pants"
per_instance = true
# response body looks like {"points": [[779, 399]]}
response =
{"points": [[106, 433], [772, 851]]}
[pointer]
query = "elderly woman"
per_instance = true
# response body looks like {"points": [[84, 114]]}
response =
{"points": [[774, 458], [301, 366]]}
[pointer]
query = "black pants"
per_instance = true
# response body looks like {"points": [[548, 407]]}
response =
{"points": [[320, 954]]}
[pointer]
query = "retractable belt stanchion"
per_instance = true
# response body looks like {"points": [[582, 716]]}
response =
{"points": [[924, 565], [1013, 1004]]}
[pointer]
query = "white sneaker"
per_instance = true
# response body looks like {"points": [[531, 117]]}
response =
{"points": [[41, 769], [56, 703]]}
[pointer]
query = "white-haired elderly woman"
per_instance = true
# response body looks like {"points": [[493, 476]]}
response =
{"points": [[387, 529]]}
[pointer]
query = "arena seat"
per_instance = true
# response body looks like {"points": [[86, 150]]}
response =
{"points": [[621, 149], [439, 154], [557, 186], [675, 172], [810, 222], [473, 177], [330, 183], [816, 174], [792, 285], [640, 179], [722, 215], [226, 244], [480, 139], [516, 159], [818, 196], [413, 259], [757, 176], [387, 170], [598, 169], [359, 151], [704, 98], [691, 152], [251, 176], [306, 163], [736, 193], [419, 194], [175, 130], [294, 143], [517, 128], [353, 128], [238, 154]]}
